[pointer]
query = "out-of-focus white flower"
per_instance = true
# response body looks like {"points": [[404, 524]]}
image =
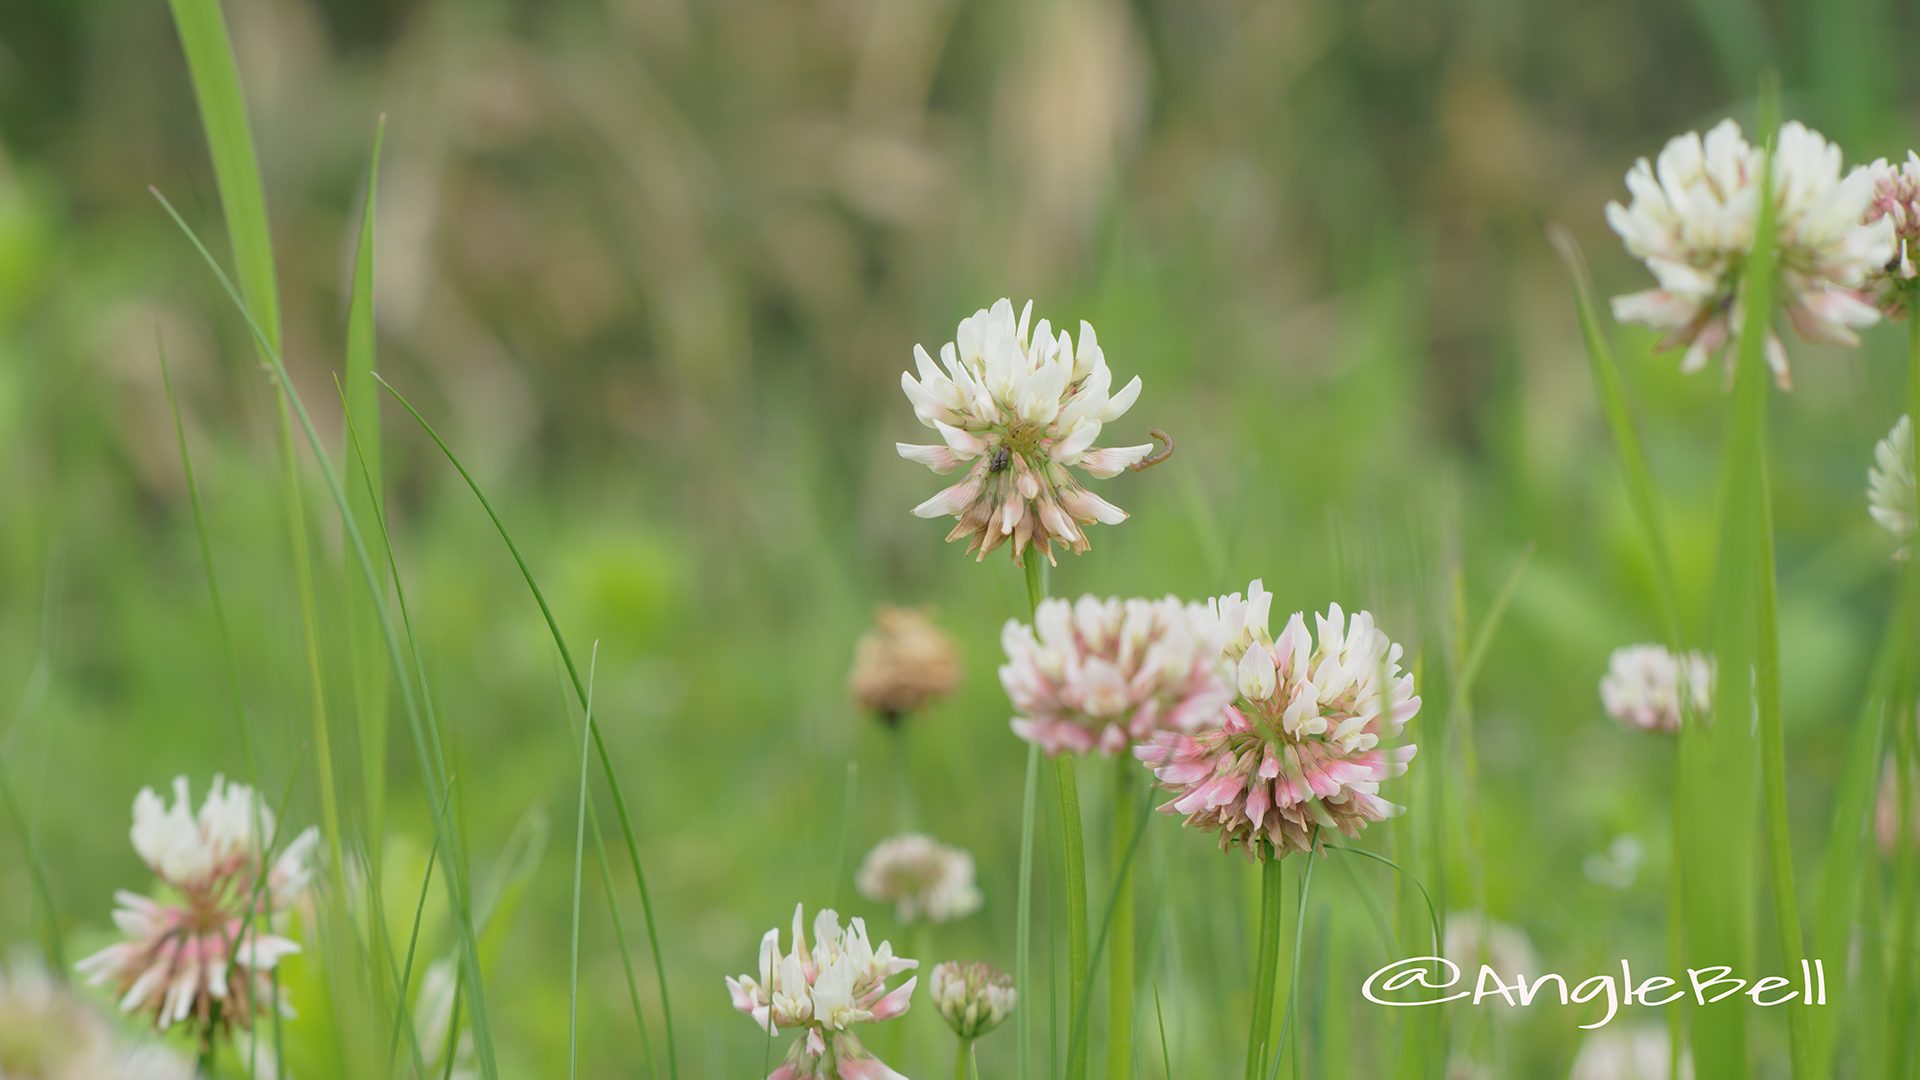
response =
{"points": [[48, 1032], [433, 1022], [1620, 1053], [1618, 866], [1097, 674], [825, 991], [1896, 198], [204, 954], [921, 877], [1306, 745], [1474, 939], [973, 997], [1693, 219], [1019, 410], [1644, 686], [1890, 491]]}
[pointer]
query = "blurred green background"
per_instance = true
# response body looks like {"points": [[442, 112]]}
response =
{"points": [[654, 267]]}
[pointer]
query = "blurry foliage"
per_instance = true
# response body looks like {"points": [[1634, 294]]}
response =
{"points": [[654, 266]]}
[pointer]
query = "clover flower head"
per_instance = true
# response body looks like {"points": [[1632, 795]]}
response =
{"points": [[902, 664], [974, 998], [1693, 220], [1099, 675], [1019, 408], [1890, 490], [202, 952], [1641, 1052], [1473, 939], [824, 992], [922, 878], [1896, 199], [1305, 746], [1650, 688], [49, 1031]]}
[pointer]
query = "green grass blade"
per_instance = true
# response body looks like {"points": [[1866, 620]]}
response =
{"points": [[37, 873], [579, 858], [432, 761], [599, 745], [403, 1019], [1612, 391], [361, 410], [236, 168]]}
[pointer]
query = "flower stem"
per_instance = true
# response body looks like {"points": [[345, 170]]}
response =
{"points": [[1120, 940], [1267, 960], [1073, 853], [962, 1057], [205, 1068], [1036, 574]]}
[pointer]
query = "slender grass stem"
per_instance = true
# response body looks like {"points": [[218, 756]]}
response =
{"points": [[1073, 858], [1036, 577], [1120, 946], [1293, 978], [579, 860], [1266, 963]]}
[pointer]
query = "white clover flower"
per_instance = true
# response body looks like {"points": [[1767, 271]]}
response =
{"points": [[825, 991], [49, 1032], [204, 954], [974, 998], [1474, 939], [921, 877], [1693, 219], [1306, 745], [1100, 675], [1896, 199], [1644, 687], [1019, 410], [1890, 490]]}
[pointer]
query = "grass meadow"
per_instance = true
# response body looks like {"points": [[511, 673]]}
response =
{"points": [[471, 424]]}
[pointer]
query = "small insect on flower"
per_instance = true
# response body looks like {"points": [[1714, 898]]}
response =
{"points": [[824, 992], [1097, 674], [1890, 490], [902, 664], [1020, 410], [202, 953], [1305, 745], [922, 878], [974, 998], [1649, 688], [1694, 218]]}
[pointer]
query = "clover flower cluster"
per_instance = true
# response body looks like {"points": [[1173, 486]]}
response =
{"points": [[203, 951], [922, 878], [1653, 689], [825, 991], [1306, 744]]}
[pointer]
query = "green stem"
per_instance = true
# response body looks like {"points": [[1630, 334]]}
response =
{"points": [[206, 1067], [1036, 575], [1120, 943], [962, 1057], [1266, 962], [1073, 854]]}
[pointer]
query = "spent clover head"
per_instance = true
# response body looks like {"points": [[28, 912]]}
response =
{"points": [[201, 952], [1693, 219], [824, 992], [1019, 407], [1305, 745]]}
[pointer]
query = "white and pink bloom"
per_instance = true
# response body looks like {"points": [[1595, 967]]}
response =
{"points": [[48, 1031], [1018, 410], [974, 998], [1693, 220], [1650, 688], [1306, 745], [1896, 199], [202, 951], [823, 992], [1890, 489], [922, 878], [1097, 674]]}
